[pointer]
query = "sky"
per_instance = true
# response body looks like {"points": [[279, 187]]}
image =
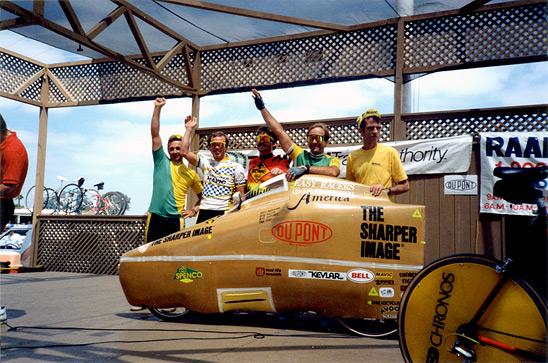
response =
{"points": [[112, 143]]}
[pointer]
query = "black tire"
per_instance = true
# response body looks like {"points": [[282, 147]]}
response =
{"points": [[70, 198], [29, 198], [371, 328], [114, 204], [170, 314]]}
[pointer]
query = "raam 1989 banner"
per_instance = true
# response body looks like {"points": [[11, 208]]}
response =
{"points": [[510, 149]]}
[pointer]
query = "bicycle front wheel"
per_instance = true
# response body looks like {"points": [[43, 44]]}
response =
{"points": [[29, 198], [70, 198], [113, 204], [91, 203], [447, 294]]}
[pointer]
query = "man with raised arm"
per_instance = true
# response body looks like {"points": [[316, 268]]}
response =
{"points": [[313, 161], [222, 177], [374, 164], [172, 180], [266, 165]]}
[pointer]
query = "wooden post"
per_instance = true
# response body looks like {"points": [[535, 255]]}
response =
{"points": [[40, 168], [398, 130]]}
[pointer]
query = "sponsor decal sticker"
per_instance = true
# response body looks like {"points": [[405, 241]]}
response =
{"points": [[187, 275], [261, 271], [384, 275], [386, 292], [145, 247], [302, 232], [360, 275], [318, 275]]}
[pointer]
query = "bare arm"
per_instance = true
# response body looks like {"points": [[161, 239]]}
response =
{"points": [[274, 125], [241, 189], [189, 213], [155, 123], [190, 124], [398, 188], [332, 170]]}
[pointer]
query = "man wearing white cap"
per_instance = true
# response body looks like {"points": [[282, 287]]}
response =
{"points": [[374, 164]]}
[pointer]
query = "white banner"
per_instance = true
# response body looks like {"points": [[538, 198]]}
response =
{"points": [[433, 156], [515, 149]]}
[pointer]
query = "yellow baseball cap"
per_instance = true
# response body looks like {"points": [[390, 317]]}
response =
{"points": [[369, 113]]}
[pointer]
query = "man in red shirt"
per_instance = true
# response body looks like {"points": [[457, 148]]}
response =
{"points": [[14, 163], [266, 165]]}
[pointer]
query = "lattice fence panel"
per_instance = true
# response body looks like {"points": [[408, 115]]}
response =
{"points": [[14, 72], [342, 132], [87, 245], [447, 124], [363, 52], [477, 37], [33, 91], [112, 80]]}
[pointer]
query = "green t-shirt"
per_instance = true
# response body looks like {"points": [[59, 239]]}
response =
{"points": [[170, 185]]}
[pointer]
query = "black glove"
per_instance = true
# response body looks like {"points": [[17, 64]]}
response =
{"points": [[259, 103], [297, 171]]}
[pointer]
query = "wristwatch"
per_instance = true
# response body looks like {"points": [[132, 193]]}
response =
{"points": [[194, 210], [389, 191]]}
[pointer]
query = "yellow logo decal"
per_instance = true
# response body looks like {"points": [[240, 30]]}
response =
{"points": [[373, 292], [186, 275], [417, 214]]}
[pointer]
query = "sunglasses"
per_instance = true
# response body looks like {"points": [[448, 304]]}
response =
{"points": [[264, 138], [317, 138], [175, 137], [217, 143]]}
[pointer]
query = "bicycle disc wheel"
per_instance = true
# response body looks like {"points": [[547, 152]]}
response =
{"points": [[447, 294], [91, 203], [70, 198], [113, 204]]}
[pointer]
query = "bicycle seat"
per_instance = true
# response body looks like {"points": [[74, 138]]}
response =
{"points": [[526, 175], [519, 185], [100, 185]]}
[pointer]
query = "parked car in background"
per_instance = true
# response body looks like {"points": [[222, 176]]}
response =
{"points": [[14, 241]]}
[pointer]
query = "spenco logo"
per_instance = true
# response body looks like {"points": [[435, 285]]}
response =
{"points": [[302, 232], [186, 275]]}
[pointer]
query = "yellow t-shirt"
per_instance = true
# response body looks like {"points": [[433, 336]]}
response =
{"points": [[380, 165]]}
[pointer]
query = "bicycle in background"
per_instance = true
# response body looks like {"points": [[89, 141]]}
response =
{"points": [[93, 203], [54, 201], [472, 308]]}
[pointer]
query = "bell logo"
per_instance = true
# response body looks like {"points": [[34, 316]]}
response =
{"points": [[361, 275], [302, 232]]}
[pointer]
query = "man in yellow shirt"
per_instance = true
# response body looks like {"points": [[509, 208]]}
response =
{"points": [[374, 164]]}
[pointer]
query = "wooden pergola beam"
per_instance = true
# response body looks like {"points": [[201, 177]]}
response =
{"points": [[258, 14], [82, 39], [71, 17], [106, 22]]}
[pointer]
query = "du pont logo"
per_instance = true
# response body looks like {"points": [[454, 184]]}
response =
{"points": [[461, 185], [302, 232], [186, 275]]}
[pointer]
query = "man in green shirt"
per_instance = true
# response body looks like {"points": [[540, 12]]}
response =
{"points": [[172, 180]]}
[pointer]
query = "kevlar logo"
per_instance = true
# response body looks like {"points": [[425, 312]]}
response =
{"points": [[373, 292], [187, 275], [417, 214]]}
